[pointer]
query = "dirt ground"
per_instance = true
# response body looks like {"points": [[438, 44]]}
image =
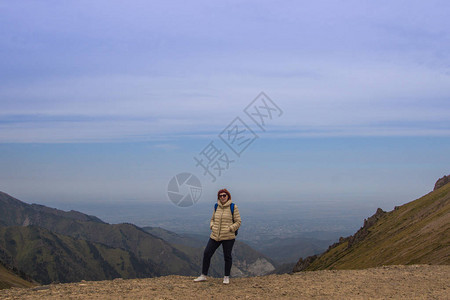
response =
{"points": [[398, 282]]}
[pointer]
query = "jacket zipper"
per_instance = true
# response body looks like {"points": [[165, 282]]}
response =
{"points": [[220, 224]]}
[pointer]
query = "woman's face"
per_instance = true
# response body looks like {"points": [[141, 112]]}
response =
{"points": [[223, 197]]}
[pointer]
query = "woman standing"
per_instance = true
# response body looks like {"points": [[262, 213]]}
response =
{"points": [[224, 224]]}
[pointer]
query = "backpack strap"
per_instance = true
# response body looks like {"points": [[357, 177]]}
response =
{"points": [[232, 215], [232, 211], [231, 207]]}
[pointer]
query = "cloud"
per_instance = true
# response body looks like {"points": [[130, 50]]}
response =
{"points": [[102, 72], [348, 98]]}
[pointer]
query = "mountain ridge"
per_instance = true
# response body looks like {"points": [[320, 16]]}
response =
{"points": [[413, 233], [124, 250]]}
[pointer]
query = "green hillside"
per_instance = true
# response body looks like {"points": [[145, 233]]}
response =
{"points": [[9, 279], [48, 257], [415, 233], [141, 244]]}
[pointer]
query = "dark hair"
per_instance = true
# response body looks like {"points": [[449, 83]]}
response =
{"points": [[224, 191]]}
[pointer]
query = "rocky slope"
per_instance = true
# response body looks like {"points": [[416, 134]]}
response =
{"points": [[397, 282], [415, 233]]}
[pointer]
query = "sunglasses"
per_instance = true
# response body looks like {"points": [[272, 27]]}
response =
{"points": [[222, 195]]}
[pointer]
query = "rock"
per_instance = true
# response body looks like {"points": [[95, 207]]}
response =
{"points": [[364, 231], [441, 182], [302, 264], [40, 288]]}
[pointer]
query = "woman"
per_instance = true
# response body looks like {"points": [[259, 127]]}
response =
{"points": [[223, 226]]}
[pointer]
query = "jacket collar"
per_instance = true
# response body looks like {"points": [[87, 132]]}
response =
{"points": [[228, 203]]}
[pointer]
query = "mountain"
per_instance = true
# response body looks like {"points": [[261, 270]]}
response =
{"points": [[11, 277], [36, 237], [48, 257], [128, 237], [415, 233], [18, 213], [175, 238]]}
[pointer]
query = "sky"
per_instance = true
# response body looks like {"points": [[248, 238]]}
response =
{"points": [[106, 101]]}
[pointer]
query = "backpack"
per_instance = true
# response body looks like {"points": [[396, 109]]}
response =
{"points": [[232, 214]]}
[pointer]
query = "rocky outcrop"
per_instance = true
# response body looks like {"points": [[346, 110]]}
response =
{"points": [[302, 264], [364, 231], [441, 182]]}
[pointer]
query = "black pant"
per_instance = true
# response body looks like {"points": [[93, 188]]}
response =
{"points": [[211, 247]]}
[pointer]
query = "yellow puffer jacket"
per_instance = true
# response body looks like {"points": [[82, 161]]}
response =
{"points": [[222, 226]]}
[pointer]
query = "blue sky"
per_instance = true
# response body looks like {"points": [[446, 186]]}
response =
{"points": [[106, 100]]}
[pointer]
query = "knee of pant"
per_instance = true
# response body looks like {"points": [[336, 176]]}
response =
{"points": [[228, 257], [206, 253]]}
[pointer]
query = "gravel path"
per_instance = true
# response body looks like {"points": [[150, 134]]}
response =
{"points": [[399, 282]]}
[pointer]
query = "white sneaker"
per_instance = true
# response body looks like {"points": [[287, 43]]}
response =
{"points": [[226, 280], [200, 278]]}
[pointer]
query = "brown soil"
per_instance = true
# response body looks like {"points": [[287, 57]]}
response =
{"points": [[405, 282]]}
